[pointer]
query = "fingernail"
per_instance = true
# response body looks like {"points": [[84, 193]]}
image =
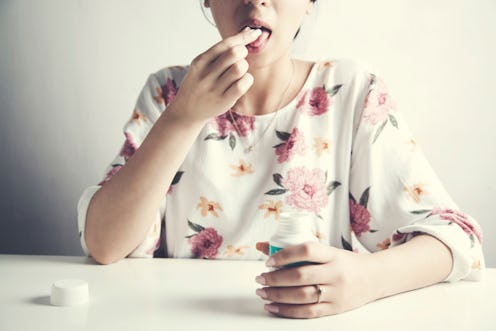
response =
{"points": [[260, 280], [261, 293], [254, 32], [271, 309], [270, 262]]}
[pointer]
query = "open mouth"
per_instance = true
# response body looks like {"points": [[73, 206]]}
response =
{"points": [[257, 45]]}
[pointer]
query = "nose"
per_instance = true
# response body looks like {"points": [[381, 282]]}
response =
{"points": [[256, 3]]}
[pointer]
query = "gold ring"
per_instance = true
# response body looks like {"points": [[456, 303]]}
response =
{"points": [[320, 292]]}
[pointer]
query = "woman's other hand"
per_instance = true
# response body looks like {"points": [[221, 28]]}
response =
{"points": [[334, 281]]}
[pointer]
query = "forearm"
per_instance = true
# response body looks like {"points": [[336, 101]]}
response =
{"points": [[123, 210], [420, 262]]}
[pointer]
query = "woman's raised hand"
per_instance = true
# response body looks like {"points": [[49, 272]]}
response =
{"points": [[216, 79], [335, 281]]}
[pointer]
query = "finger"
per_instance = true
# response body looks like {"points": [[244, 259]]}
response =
{"points": [[309, 252], [302, 311], [238, 88], [234, 73], [294, 294], [263, 247], [295, 276], [244, 37], [226, 61]]}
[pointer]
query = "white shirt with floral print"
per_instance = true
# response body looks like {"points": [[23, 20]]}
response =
{"points": [[340, 151]]}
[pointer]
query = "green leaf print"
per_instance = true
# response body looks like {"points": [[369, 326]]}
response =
{"points": [[195, 227], [332, 92], [277, 191], [214, 136], [277, 179], [346, 245], [419, 212], [379, 130], [364, 199], [332, 186], [393, 121], [283, 135], [232, 141], [177, 177]]}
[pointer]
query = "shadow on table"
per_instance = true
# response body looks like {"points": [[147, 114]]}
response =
{"points": [[243, 306], [58, 259], [40, 300]]}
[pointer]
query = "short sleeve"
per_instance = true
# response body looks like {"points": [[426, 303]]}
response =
{"points": [[159, 90], [395, 194]]}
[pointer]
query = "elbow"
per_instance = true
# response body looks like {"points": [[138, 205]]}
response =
{"points": [[101, 254], [105, 259]]}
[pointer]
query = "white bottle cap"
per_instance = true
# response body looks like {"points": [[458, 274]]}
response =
{"points": [[69, 292]]}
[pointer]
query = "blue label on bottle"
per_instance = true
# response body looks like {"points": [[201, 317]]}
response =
{"points": [[275, 249]]}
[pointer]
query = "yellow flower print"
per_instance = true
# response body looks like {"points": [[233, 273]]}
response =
{"points": [[414, 192], [233, 251], [208, 207], [412, 143], [155, 228], [325, 65], [271, 208], [476, 264], [320, 236], [241, 169], [138, 116], [159, 99], [385, 244], [321, 145]]}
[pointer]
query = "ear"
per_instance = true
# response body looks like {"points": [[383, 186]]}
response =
{"points": [[206, 3]]}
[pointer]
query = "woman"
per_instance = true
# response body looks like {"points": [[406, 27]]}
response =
{"points": [[215, 151]]}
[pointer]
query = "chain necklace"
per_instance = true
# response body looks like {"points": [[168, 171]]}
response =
{"points": [[238, 131]]}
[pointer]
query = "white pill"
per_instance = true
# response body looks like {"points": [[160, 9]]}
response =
{"points": [[69, 292]]}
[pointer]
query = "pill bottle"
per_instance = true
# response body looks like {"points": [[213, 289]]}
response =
{"points": [[293, 229]]}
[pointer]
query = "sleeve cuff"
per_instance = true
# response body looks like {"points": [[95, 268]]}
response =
{"points": [[468, 259], [82, 209]]}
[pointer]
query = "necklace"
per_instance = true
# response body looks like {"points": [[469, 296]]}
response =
{"points": [[238, 131]]}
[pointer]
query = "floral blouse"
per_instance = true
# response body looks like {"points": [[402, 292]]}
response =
{"points": [[340, 151]]}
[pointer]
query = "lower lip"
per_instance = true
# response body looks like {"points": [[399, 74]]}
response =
{"points": [[258, 45]]}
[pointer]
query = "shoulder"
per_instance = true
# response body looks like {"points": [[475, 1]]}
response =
{"points": [[170, 75], [345, 71]]}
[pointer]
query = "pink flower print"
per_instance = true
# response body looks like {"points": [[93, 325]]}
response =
{"points": [[360, 218], [170, 91], [205, 244], [459, 219], [115, 169], [294, 144], [315, 102], [378, 103], [129, 147], [166, 93], [359, 215], [224, 123], [307, 189]]}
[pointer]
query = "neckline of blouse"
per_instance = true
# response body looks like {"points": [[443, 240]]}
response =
{"points": [[267, 117]]}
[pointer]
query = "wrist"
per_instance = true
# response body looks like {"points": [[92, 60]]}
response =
{"points": [[176, 115]]}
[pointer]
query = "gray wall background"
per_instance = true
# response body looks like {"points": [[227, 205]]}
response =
{"points": [[71, 70]]}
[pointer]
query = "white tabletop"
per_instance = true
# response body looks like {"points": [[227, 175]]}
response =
{"points": [[172, 294]]}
